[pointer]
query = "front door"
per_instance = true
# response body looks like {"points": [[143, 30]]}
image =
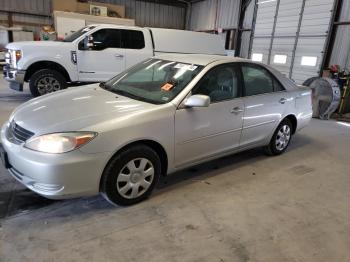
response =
{"points": [[104, 59], [209, 131]]}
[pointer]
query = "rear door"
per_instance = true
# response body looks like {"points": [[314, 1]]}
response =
{"points": [[137, 46], [265, 102], [208, 131]]}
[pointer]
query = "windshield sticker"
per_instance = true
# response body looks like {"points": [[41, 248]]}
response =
{"points": [[167, 87], [185, 66]]}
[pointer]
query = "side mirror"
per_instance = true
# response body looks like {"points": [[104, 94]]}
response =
{"points": [[197, 101], [88, 42]]}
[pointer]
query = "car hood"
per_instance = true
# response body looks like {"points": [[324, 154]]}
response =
{"points": [[76, 109], [24, 44]]}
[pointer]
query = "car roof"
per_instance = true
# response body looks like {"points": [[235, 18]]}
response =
{"points": [[199, 59]]}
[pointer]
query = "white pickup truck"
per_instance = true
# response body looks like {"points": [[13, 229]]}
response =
{"points": [[96, 53]]}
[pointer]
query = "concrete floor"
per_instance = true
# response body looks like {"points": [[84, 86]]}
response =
{"points": [[246, 207]]}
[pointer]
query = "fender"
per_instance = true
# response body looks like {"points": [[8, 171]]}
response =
{"points": [[69, 68]]}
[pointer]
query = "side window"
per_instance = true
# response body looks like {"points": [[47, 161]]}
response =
{"points": [[221, 83], [277, 87], [132, 39], [106, 38], [258, 80]]}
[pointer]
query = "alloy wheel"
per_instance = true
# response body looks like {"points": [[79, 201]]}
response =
{"points": [[48, 84]]}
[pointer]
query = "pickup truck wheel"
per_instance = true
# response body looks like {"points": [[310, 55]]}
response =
{"points": [[131, 176], [280, 139], [46, 81]]}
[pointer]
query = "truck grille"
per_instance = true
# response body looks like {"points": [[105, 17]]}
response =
{"points": [[8, 57], [17, 133]]}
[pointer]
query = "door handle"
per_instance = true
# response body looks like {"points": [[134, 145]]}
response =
{"points": [[282, 100], [118, 55], [236, 110]]}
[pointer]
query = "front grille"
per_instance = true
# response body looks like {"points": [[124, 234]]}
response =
{"points": [[18, 133], [8, 57]]}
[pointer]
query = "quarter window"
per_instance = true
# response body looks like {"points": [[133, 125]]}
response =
{"points": [[219, 84], [132, 39], [258, 80]]}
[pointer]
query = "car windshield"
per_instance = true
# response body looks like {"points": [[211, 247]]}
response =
{"points": [[155, 81], [76, 34]]}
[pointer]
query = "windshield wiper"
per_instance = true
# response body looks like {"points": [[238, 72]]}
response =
{"points": [[127, 94], [103, 85]]}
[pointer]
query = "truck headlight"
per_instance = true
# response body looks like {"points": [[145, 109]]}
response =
{"points": [[57, 143], [15, 55]]}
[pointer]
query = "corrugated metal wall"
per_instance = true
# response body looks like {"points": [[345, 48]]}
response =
{"points": [[292, 29], [145, 13], [213, 14], [42, 7], [152, 14], [341, 49]]}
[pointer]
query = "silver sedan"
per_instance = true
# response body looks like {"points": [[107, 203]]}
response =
{"points": [[162, 115]]}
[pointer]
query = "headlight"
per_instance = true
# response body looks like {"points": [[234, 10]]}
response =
{"points": [[59, 142], [15, 55]]}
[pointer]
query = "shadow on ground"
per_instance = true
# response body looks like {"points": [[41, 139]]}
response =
{"points": [[16, 199]]}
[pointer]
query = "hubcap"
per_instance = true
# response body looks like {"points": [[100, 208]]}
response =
{"points": [[48, 84], [283, 137], [135, 178]]}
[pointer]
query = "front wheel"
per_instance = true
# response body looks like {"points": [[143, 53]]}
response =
{"points": [[46, 81], [280, 139], [131, 175]]}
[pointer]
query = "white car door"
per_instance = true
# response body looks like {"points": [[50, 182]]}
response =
{"points": [[265, 102], [208, 131], [104, 59]]}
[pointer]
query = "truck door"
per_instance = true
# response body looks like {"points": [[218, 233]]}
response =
{"points": [[137, 46], [104, 59]]}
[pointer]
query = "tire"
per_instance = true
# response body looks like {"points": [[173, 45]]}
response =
{"points": [[275, 146], [46, 81], [124, 185]]}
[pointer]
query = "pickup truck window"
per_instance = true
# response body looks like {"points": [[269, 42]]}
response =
{"points": [[76, 34], [106, 38], [132, 39], [155, 81]]}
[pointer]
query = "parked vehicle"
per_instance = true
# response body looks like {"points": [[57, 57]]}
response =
{"points": [[96, 53], [162, 115]]}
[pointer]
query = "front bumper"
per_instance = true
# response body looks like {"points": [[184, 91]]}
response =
{"points": [[15, 77], [55, 176]]}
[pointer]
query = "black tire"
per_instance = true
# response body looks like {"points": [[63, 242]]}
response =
{"points": [[56, 81], [116, 165], [272, 148]]}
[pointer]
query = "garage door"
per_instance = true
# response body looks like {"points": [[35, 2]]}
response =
{"points": [[291, 35]]}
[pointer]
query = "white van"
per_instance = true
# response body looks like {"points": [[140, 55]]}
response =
{"points": [[96, 53]]}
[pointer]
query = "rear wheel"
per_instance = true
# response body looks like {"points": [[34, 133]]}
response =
{"points": [[46, 81], [280, 139], [131, 175]]}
